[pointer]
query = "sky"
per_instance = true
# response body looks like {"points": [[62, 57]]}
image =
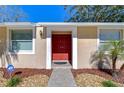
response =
{"points": [[44, 13]]}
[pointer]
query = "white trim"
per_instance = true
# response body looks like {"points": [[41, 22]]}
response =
{"points": [[20, 27], [123, 33], [17, 24], [74, 48], [98, 40], [30, 24], [7, 41], [33, 41], [73, 29], [105, 28], [21, 51], [79, 24], [48, 49]]}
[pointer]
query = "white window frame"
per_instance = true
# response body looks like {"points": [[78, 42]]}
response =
{"points": [[107, 41], [21, 51], [107, 28]]}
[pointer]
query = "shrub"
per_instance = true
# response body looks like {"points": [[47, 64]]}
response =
{"points": [[13, 82], [108, 83]]}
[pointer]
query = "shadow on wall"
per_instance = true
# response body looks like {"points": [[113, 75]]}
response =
{"points": [[101, 62], [5, 57]]}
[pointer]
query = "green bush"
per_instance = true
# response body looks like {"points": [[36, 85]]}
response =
{"points": [[108, 83], [13, 82]]}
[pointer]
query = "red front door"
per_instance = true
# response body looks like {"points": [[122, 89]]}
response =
{"points": [[61, 47]]}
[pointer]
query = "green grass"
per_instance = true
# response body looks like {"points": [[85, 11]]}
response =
{"points": [[13, 82], [108, 83]]}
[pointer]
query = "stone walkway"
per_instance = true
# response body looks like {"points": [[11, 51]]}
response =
{"points": [[61, 77]]}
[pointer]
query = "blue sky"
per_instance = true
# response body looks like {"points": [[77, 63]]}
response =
{"points": [[44, 13]]}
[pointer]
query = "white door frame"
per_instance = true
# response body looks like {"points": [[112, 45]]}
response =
{"points": [[73, 29]]}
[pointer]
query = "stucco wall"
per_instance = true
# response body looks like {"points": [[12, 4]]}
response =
{"points": [[2, 43], [119, 62], [37, 60], [87, 44]]}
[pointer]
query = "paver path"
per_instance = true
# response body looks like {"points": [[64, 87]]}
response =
{"points": [[61, 77]]}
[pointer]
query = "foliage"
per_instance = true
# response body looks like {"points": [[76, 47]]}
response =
{"points": [[99, 59], [9, 13], [95, 13], [12, 13], [115, 51], [14, 81], [108, 83]]}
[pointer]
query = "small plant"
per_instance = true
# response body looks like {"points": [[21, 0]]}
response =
{"points": [[14, 81], [108, 83]]}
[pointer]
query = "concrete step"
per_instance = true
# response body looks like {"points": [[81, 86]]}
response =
{"points": [[61, 65]]}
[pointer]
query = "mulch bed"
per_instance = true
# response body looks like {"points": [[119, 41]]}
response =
{"points": [[26, 72], [101, 73]]}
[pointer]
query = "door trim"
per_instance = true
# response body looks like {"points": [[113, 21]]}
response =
{"points": [[73, 30]]}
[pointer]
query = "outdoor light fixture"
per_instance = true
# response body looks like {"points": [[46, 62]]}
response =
{"points": [[41, 33]]}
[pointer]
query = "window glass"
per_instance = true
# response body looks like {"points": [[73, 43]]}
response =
{"points": [[21, 40], [21, 45], [21, 35], [109, 35]]}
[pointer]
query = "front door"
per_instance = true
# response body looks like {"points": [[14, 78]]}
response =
{"points": [[61, 47]]}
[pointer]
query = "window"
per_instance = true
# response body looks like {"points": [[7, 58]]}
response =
{"points": [[109, 34], [21, 40]]}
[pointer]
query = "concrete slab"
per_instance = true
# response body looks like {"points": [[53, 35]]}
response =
{"points": [[61, 77]]}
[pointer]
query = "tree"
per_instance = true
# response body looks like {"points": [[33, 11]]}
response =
{"points": [[115, 51], [11, 13], [100, 60], [95, 13]]}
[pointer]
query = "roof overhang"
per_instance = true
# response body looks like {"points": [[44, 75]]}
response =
{"points": [[17, 24], [78, 24], [99, 25], [29, 24]]}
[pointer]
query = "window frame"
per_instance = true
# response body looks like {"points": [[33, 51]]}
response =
{"points": [[107, 41], [21, 51], [120, 29]]}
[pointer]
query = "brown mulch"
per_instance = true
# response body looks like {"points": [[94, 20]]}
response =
{"points": [[106, 75], [26, 72]]}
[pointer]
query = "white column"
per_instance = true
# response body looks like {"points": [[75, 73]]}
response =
{"points": [[74, 48], [98, 32], [123, 34], [48, 49], [7, 40]]}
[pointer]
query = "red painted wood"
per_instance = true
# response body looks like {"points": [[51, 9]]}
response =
{"points": [[61, 47]]}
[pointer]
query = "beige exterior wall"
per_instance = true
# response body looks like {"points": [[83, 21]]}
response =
{"points": [[3, 35], [87, 44], [119, 62], [36, 60], [3, 32]]}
